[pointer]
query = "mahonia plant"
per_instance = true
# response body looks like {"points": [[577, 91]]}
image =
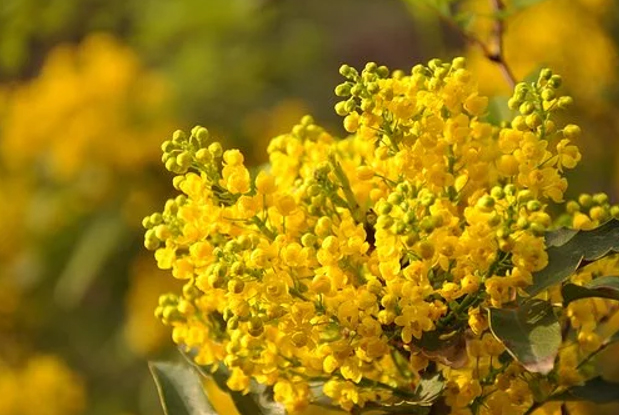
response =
{"points": [[401, 267]]}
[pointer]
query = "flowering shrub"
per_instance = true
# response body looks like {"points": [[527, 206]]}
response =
{"points": [[405, 268], [76, 180]]}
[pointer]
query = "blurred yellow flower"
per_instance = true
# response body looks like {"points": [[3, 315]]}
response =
{"points": [[566, 35], [44, 386], [92, 114]]}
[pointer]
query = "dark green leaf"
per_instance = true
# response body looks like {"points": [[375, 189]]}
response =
{"points": [[256, 402], [596, 390], [567, 254], [603, 287], [559, 236], [531, 333], [180, 389]]}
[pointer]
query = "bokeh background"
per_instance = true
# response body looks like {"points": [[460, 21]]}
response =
{"points": [[89, 89]]}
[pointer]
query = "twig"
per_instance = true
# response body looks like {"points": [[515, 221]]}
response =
{"points": [[498, 56], [494, 54]]}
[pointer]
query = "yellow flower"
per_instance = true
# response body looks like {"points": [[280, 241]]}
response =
{"points": [[338, 262]]}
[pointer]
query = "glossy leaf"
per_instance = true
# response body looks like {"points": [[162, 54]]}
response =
{"points": [[531, 333], [568, 250], [256, 402], [180, 390], [603, 287]]}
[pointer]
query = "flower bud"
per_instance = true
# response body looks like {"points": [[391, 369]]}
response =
{"points": [[555, 81], [548, 94], [215, 149], [545, 74], [565, 102], [255, 326], [178, 136], [585, 200], [347, 71], [340, 108], [486, 203], [533, 205], [526, 108], [343, 90], [571, 131], [236, 286], [600, 198]]}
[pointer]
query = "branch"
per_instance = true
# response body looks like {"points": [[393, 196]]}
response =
{"points": [[498, 56], [494, 54]]}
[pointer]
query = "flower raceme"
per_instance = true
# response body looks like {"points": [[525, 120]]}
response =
{"points": [[338, 261]]}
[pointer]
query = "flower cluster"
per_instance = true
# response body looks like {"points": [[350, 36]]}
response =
{"points": [[366, 262]]}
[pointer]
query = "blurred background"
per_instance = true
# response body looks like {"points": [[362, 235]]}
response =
{"points": [[89, 89]]}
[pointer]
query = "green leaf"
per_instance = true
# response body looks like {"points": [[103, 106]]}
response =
{"points": [[559, 236], [428, 390], [531, 333], [567, 253], [596, 390], [180, 389], [256, 402], [603, 287]]}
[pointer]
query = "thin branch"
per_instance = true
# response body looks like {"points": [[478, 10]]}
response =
{"points": [[494, 53], [498, 56]]}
